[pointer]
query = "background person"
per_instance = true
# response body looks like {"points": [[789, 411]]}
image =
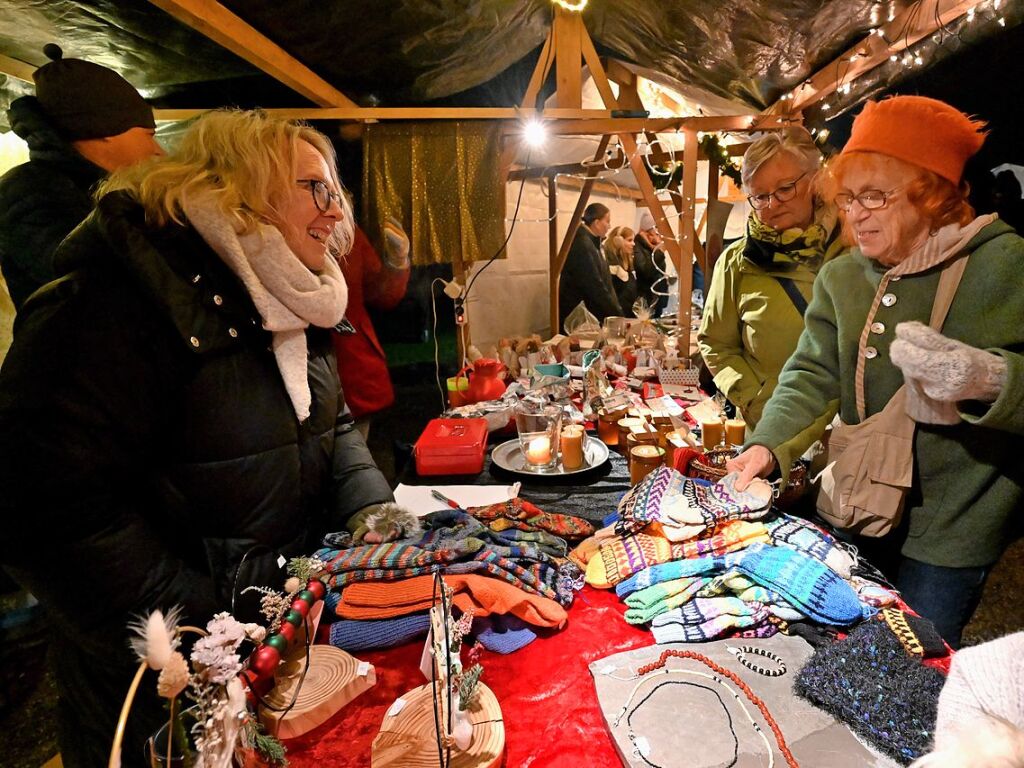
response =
{"points": [[585, 276], [618, 252], [753, 313], [649, 263], [899, 181], [84, 121], [171, 411]]}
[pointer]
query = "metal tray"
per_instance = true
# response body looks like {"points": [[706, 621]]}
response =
{"points": [[509, 456]]}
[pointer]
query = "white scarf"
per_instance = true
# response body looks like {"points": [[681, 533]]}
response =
{"points": [[288, 296]]}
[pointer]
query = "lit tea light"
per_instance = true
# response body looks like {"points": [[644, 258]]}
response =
{"points": [[538, 450]]}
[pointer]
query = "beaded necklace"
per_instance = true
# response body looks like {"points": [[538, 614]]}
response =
{"points": [[665, 671], [743, 651], [720, 670]]}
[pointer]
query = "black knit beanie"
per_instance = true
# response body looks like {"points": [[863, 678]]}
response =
{"points": [[87, 101]]}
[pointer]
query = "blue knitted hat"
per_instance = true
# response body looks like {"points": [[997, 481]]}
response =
{"points": [[355, 635], [503, 634]]}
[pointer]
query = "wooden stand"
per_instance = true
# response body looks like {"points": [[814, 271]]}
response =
{"points": [[332, 681], [408, 739]]}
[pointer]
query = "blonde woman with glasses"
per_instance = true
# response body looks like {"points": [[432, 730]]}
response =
{"points": [[753, 314], [171, 415]]}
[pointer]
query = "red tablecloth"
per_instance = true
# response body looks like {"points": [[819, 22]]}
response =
{"points": [[545, 690]]}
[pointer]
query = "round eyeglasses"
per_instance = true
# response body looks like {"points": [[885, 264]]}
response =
{"points": [[322, 194], [870, 199], [783, 194]]}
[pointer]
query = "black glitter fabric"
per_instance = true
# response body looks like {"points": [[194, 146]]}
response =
{"points": [[870, 683]]}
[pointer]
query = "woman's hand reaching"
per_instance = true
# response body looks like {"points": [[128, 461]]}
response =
{"points": [[756, 461]]}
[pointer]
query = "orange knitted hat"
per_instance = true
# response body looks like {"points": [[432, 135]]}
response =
{"points": [[918, 130]]}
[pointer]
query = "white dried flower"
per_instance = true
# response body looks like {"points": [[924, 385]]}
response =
{"points": [[156, 637], [292, 585], [173, 677], [255, 632]]}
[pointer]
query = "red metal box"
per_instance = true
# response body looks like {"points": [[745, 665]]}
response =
{"points": [[452, 447]]}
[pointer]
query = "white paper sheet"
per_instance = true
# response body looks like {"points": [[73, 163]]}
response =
{"points": [[418, 500]]}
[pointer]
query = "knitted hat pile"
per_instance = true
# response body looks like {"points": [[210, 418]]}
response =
{"points": [[870, 683], [704, 619], [653, 601], [503, 634], [521, 514], [353, 635], [618, 559], [789, 531]]}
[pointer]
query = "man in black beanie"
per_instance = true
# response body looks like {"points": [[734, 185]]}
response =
{"points": [[84, 121]]}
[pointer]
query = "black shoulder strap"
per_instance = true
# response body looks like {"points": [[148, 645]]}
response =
{"points": [[789, 286]]}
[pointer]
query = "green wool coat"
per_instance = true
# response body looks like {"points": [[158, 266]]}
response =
{"points": [[966, 500], [750, 328]]}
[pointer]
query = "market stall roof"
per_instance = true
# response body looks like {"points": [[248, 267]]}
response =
{"points": [[727, 57]]}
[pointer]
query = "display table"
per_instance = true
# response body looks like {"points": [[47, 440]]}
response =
{"points": [[546, 690]]}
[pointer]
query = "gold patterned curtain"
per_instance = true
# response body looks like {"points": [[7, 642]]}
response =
{"points": [[442, 181]]}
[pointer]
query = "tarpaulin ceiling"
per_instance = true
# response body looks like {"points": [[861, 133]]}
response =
{"points": [[738, 53]]}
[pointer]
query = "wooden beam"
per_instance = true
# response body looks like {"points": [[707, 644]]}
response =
{"points": [[232, 32], [599, 185], [654, 205], [540, 72], [568, 28], [553, 255], [16, 69], [914, 23], [570, 233], [660, 124], [656, 158]]}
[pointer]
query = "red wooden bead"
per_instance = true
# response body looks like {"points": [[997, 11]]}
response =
{"points": [[264, 660], [287, 631], [317, 588], [300, 605]]}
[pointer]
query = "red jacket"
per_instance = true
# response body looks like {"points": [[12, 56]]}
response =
{"points": [[362, 365]]}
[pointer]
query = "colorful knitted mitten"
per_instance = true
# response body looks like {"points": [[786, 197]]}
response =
{"points": [[870, 683], [706, 619]]}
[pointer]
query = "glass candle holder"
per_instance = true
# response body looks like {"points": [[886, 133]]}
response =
{"points": [[539, 427]]}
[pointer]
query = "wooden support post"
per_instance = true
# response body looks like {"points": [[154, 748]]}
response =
{"points": [[574, 225], [553, 253], [712, 245], [687, 243], [568, 31]]}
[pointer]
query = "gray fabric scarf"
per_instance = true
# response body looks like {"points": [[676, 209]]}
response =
{"points": [[288, 296]]}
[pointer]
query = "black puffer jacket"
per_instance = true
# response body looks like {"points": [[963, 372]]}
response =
{"points": [[149, 444], [585, 278], [41, 201]]}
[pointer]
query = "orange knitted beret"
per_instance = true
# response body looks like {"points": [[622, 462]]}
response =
{"points": [[918, 130]]}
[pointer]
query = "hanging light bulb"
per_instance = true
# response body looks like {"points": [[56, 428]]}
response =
{"points": [[918, 60], [535, 133], [1002, 21]]}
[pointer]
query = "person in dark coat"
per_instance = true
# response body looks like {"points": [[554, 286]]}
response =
{"points": [[649, 263], [585, 276], [172, 418], [84, 121]]}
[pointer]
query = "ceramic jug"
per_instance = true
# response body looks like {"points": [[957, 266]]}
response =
{"points": [[485, 380]]}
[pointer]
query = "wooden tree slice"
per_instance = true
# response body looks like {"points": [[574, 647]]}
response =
{"points": [[331, 682], [407, 739]]}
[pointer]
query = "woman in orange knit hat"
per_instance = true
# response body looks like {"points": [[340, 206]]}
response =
{"points": [[899, 183]]}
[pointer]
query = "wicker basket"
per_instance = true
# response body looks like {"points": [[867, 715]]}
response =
{"points": [[711, 466]]}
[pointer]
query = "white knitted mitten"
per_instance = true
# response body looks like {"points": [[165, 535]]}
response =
{"points": [[943, 369]]}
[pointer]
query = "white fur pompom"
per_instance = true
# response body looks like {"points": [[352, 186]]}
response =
{"points": [[156, 637]]}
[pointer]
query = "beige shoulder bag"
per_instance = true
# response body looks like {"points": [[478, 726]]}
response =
{"points": [[872, 463]]}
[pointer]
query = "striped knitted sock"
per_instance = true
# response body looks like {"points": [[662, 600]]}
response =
{"points": [[704, 619], [807, 584], [789, 531], [653, 601], [520, 514]]}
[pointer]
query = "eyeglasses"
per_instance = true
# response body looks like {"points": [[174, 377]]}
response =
{"points": [[783, 194], [870, 199], [322, 194]]}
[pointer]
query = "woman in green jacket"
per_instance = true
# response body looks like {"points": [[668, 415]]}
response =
{"points": [[753, 314], [899, 182]]}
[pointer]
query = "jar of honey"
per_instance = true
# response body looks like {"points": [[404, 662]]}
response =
{"points": [[644, 459], [607, 425]]}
